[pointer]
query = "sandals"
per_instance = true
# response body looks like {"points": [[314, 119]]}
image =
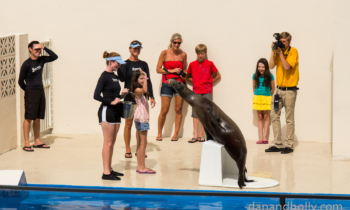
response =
{"points": [[174, 138], [145, 155], [149, 171], [41, 146], [28, 149], [201, 139], [159, 139], [193, 140], [262, 142], [129, 155]]}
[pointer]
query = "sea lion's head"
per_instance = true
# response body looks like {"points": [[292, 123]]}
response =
{"points": [[180, 88]]}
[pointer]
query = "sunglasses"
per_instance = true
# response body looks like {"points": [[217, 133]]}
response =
{"points": [[136, 42], [177, 43], [37, 49]]}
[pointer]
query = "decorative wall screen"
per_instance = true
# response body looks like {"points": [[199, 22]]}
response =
{"points": [[7, 67]]}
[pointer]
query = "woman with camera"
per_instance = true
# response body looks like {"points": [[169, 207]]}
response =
{"points": [[172, 64]]}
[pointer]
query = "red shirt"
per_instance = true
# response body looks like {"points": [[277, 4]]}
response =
{"points": [[172, 65], [202, 76]]}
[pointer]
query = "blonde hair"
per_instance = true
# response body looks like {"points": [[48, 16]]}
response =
{"points": [[108, 55], [201, 48], [174, 37], [287, 36]]}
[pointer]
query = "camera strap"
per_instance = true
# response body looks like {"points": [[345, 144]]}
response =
{"points": [[286, 55]]}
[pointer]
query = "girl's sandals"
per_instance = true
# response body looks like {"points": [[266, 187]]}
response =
{"points": [[193, 140], [145, 155], [149, 171], [201, 139], [265, 141], [260, 142]]}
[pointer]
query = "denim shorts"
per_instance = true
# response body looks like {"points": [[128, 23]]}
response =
{"points": [[209, 95], [141, 126], [167, 90]]}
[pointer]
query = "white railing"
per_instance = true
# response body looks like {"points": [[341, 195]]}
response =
{"points": [[46, 123]]}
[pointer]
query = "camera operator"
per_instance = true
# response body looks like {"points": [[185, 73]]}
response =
{"points": [[286, 59]]}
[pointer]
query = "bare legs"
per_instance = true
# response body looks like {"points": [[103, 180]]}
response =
{"points": [[141, 137], [263, 126], [195, 129], [36, 129], [127, 136], [110, 132], [165, 104]]}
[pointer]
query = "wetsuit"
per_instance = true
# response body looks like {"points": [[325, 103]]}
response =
{"points": [[125, 75], [109, 86], [31, 81]]}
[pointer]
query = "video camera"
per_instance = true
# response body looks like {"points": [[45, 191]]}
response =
{"points": [[278, 43]]}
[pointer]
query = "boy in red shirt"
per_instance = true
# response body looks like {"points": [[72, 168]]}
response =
{"points": [[202, 73]]}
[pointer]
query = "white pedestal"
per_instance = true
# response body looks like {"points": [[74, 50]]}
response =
{"points": [[13, 177], [219, 169]]}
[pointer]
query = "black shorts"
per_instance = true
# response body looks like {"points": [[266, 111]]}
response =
{"points": [[110, 114], [34, 104]]}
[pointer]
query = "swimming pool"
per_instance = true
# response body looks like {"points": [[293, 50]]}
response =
{"points": [[81, 197]]}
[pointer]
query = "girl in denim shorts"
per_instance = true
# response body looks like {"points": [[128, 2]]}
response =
{"points": [[141, 118]]}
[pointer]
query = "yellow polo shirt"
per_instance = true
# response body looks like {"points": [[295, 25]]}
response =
{"points": [[289, 78]]}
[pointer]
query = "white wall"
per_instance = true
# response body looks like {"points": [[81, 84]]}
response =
{"points": [[237, 34], [341, 103]]}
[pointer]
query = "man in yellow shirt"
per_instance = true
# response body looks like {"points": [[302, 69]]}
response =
{"points": [[287, 78]]}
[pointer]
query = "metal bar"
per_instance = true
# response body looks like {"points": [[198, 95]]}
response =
{"points": [[182, 192]]}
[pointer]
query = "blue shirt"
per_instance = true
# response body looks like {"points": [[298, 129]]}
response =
{"points": [[262, 90]]}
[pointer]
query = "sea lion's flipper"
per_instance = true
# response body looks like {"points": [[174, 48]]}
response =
{"points": [[245, 178], [209, 137], [215, 120]]}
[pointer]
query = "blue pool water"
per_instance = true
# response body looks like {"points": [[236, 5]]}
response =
{"points": [[74, 200], [131, 198]]}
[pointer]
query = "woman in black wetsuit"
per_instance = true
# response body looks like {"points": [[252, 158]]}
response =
{"points": [[125, 74], [110, 110]]}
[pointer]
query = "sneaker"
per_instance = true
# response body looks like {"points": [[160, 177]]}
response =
{"points": [[110, 177], [273, 149], [116, 173], [286, 150]]}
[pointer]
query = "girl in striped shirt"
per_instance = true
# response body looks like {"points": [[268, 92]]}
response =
{"points": [[141, 118]]}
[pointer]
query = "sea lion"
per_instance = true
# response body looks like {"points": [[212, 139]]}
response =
{"points": [[218, 126]]}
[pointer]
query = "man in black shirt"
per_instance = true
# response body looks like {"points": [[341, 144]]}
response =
{"points": [[30, 80]]}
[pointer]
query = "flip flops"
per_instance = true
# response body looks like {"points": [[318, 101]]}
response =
{"points": [[193, 140], [174, 138], [130, 156], [149, 171], [259, 142], [41, 146], [201, 139], [27, 150], [159, 139], [265, 142], [145, 155]]}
